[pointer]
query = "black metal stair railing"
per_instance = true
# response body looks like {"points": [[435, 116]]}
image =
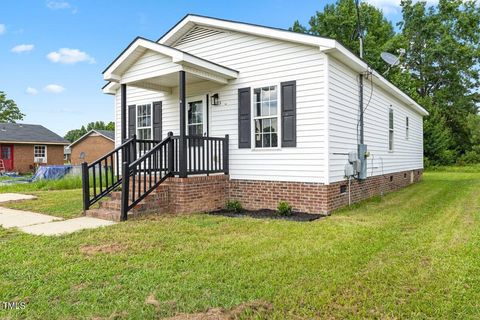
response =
{"points": [[145, 174], [140, 166], [102, 176], [205, 155]]}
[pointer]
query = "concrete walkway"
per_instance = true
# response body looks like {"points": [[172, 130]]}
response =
{"points": [[67, 226], [42, 224], [5, 197]]}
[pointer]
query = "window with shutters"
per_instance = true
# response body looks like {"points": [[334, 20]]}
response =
{"points": [[266, 116], [144, 121], [390, 129]]}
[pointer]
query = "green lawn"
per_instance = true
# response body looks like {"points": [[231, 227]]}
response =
{"points": [[60, 203], [412, 254]]}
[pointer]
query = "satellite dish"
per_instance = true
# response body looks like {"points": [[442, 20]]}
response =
{"points": [[391, 59]]}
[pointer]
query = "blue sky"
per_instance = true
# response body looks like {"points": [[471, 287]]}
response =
{"points": [[52, 53]]}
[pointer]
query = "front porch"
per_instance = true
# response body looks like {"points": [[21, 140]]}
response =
{"points": [[145, 159]]}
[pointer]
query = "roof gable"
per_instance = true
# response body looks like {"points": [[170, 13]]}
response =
{"points": [[329, 46], [197, 33], [110, 135], [139, 46]]}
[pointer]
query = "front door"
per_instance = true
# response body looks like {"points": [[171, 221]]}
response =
{"points": [[196, 116], [6, 154]]}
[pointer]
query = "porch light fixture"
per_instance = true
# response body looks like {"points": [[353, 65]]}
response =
{"points": [[214, 100]]}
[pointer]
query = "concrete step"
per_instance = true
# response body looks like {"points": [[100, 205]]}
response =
{"points": [[105, 214]]}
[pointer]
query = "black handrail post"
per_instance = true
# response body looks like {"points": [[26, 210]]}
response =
{"points": [[85, 187], [125, 191], [225, 155], [182, 140], [123, 104], [134, 149], [171, 156]]}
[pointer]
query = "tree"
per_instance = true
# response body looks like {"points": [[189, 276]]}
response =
{"points": [[75, 134], [443, 58], [440, 69], [9, 111], [339, 21]]}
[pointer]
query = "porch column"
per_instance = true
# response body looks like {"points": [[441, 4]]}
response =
{"points": [[123, 103], [182, 140]]}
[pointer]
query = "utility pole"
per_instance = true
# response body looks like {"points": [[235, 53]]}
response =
{"points": [[361, 148]]}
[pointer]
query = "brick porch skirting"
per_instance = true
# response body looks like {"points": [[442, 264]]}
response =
{"points": [[209, 193]]}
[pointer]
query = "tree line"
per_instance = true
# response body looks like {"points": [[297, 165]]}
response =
{"points": [[440, 69], [75, 134]]}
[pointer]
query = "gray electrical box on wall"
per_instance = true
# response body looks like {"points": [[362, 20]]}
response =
{"points": [[362, 155]]}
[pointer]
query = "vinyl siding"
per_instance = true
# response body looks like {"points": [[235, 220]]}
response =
{"points": [[261, 62], [343, 98]]}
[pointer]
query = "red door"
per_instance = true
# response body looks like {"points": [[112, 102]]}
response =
{"points": [[6, 153]]}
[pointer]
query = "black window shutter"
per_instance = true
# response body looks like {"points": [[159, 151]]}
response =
{"points": [[132, 122], [289, 113], [244, 110], [157, 120]]}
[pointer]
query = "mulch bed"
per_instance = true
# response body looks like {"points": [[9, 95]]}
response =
{"points": [[269, 214]]}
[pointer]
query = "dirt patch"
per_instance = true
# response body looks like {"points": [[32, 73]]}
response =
{"points": [[91, 250], [152, 300], [252, 309]]}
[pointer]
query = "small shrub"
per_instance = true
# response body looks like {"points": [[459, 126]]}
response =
{"points": [[284, 208], [234, 206]]}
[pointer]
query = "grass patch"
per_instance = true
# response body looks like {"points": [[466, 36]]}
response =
{"points": [[60, 203], [66, 183], [411, 254]]}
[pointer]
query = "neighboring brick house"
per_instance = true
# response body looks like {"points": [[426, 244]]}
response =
{"points": [[26, 146], [91, 146]]}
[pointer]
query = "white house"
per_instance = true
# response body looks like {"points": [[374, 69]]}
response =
{"points": [[288, 103]]}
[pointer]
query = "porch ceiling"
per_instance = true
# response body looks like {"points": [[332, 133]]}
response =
{"points": [[150, 65]]}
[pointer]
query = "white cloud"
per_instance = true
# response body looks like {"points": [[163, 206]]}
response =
{"points": [[23, 48], [58, 5], [3, 29], [61, 5], [54, 88], [69, 56], [393, 6], [31, 91]]}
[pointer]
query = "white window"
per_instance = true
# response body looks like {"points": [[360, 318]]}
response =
{"points": [[407, 128], [266, 117], [40, 154], [390, 129], [144, 121]]}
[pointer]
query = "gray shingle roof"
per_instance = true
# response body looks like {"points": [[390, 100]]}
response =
{"points": [[20, 132], [108, 134]]}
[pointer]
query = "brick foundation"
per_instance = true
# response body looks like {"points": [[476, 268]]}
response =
{"points": [[185, 195], [209, 193], [316, 197], [198, 194]]}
